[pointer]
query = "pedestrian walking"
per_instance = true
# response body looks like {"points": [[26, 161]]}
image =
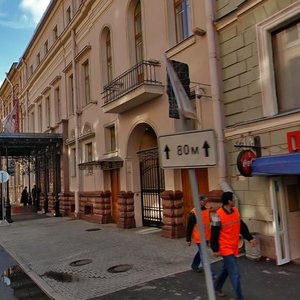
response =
{"points": [[193, 231], [35, 195], [226, 228], [24, 196]]}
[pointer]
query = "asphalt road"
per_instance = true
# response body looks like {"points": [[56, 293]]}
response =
{"points": [[262, 280]]}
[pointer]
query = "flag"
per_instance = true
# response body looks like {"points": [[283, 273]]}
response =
{"points": [[183, 101], [10, 121]]}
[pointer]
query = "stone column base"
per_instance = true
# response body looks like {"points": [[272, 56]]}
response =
{"points": [[172, 214]]}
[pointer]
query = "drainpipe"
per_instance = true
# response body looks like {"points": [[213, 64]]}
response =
{"points": [[216, 83], [26, 125], [77, 153], [2, 112]]}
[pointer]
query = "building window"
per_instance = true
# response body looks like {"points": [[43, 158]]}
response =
{"points": [[48, 111], [86, 78], [30, 70], [182, 19], [110, 139], [73, 162], [68, 15], [71, 95], [89, 156], [286, 58], [57, 104], [278, 41], [32, 123], [38, 58], [46, 47], [55, 33], [108, 57], [138, 35], [293, 194], [40, 118]]}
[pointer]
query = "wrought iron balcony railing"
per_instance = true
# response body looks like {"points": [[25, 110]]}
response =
{"points": [[145, 72]]}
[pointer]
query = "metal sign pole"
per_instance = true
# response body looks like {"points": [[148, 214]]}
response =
{"points": [[187, 112], [4, 176], [204, 250]]}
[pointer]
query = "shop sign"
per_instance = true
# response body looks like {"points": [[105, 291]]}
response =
{"points": [[244, 162]]}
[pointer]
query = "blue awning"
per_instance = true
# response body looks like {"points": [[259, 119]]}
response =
{"points": [[284, 164]]}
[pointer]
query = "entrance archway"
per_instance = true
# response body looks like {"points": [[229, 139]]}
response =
{"points": [[144, 150]]}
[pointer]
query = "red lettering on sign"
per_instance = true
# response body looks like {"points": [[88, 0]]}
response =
{"points": [[293, 140]]}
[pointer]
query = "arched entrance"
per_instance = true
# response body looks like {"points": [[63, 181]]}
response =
{"points": [[151, 176]]}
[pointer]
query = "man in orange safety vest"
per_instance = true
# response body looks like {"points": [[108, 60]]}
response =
{"points": [[193, 231], [225, 232]]}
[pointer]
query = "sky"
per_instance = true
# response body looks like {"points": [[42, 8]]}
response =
{"points": [[18, 20]]}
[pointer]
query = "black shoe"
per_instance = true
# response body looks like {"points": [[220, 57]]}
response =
{"points": [[197, 269]]}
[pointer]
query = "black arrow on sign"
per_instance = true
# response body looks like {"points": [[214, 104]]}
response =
{"points": [[167, 150], [206, 147]]}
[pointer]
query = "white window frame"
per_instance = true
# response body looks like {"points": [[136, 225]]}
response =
{"points": [[71, 94], [40, 117], [108, 138], [89, 147], [73, 162], [86, 82], [48, 111], [57, 100], [186, 21], [265, 55]]}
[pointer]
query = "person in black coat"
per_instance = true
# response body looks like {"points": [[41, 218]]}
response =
{"points": [[24, 196]]}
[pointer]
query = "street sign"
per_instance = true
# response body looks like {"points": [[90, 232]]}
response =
{"points": [[190, 149], [4, 176]]}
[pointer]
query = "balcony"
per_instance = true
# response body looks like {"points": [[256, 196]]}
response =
{"points": [[133, 88]]}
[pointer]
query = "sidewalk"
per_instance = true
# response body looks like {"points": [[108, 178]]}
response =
{"points": [[45, 248], [155, 267]]}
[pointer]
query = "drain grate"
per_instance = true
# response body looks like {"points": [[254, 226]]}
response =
{"points": [[93, 229], [119, 268], [80, 262]]}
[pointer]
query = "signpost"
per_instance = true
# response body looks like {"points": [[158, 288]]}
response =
{"points": [[189, 149], [4, 177]]}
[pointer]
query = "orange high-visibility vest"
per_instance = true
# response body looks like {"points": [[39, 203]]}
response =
{"points": [[206, 223], [230, 231]]}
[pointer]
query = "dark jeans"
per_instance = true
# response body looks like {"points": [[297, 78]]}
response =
{"points": [[197, 259], [230, 268]]}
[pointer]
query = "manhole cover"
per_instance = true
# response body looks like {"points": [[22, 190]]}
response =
{"points": [[119, 268], [59, 276], [93, 229], [80, 262]]}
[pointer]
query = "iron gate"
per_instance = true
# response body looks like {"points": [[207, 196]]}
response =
{"points": [[152, 184]]}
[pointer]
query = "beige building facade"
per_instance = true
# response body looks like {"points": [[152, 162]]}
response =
{"points": [[259, 54], [95, 73]]}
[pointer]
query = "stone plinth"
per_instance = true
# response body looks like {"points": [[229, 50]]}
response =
{"points": [[126, 210], [172, 214]]}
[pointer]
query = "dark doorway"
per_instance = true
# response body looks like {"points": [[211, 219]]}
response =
{"points": [[152, 185]]}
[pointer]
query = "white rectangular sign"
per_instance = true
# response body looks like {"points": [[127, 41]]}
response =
{"points": [[191, 149]]}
